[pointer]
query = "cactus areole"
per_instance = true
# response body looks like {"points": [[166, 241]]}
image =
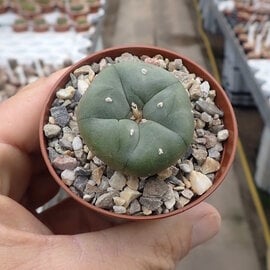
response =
{"points": [[136, 117]]}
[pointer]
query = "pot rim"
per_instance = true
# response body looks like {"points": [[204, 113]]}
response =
{"points": [[223, 103]]}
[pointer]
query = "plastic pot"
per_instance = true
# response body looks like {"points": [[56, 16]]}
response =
{"points": [[221, 101]]}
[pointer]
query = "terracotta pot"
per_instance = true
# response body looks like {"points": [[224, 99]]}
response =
{"points": [[222, 102]]}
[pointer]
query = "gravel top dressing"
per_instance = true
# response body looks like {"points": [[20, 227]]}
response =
{"points": [[172, 188]]}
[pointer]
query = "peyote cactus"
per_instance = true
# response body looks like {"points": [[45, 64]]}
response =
{"points": [[136, 117]]}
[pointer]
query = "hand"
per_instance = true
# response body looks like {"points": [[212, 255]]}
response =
{"points": [[74, 237]]}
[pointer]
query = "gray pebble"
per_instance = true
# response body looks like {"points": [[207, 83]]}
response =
{"points": [[151, 203], [155, 188], [60, 114], [51, 131], [105, 200], [119, 209], [134, 207], [118, 181], [80, 183]]}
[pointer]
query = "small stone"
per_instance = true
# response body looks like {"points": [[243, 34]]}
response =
{"points": [[187, 193], [211, 140], [223, 135], [119, 209], [200, 155], [97, 161], [179, 188], [65, 163], [195, 91], [82, 86], [66, 93], [80, 171], [90, 187], [200, 141], [210, 108], [90, 155], [134, 207], [118, 181], [77, 143], [104, 184], [182, 202], [118, 201], [83, 70], [64, 143], [97, 174], [68, 177], [200, 132], [51, 131], [150, 203], [80, 183], [87, 197], [178, 64], [206, 117], [105, 200], [186, 166], [146, 211], [129, 195], [133, 182], [174, 170], [155, 188], [175, 181], [60, 114], [74, 126], [199, 124], [210, 165], [186, 182], [169, 199], [205, 88], [200, 183], [52, 153], [213, 153]]}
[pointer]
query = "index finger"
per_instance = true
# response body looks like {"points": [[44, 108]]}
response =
{"points": [[19, 115]]}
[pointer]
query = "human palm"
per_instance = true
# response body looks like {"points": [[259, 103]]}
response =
{"points": [[70, 236]]}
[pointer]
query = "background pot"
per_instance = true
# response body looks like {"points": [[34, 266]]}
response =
{"points": [[221, 101]]}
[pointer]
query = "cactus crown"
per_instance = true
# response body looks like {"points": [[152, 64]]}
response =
{"points": [[136, 117]]}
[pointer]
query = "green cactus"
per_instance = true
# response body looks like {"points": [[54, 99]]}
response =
{"points": [[136, 117]]}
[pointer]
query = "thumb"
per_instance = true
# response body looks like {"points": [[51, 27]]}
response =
{"points": [[154, 244]]}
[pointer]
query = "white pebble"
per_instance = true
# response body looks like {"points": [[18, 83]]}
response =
{"points": [[66, 93], [82, 86], [77, 143], [223, 135], [200, 183], [68, 176]]}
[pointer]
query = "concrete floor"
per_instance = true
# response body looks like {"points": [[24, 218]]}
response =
{"points": [[171, 24]]}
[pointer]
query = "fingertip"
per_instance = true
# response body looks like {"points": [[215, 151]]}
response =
{"points": [[205, 226]]}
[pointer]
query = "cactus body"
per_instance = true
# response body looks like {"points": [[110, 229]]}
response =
{"points": [[136, 117]]}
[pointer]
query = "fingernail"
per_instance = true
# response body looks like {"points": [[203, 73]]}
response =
{"points": [[205, 229]]}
